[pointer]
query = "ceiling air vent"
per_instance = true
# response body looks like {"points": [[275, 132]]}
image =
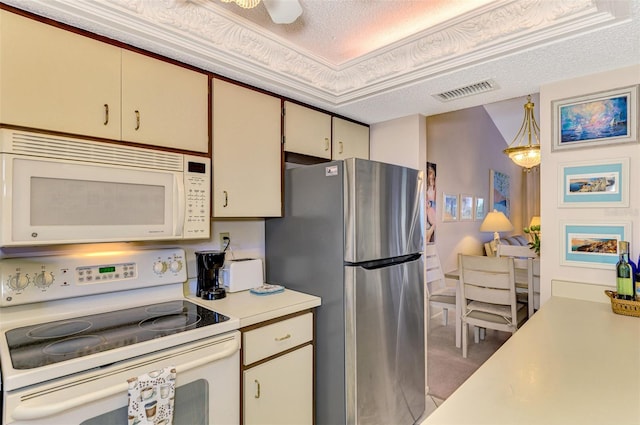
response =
{"points": [[470, 90]]}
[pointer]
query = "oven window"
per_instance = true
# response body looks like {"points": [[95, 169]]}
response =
{"points": [[191, 407]]}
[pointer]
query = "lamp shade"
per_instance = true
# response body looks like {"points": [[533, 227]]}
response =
{"points": [[496, 221], [535, 221]]}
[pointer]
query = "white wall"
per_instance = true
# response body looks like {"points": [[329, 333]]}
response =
{"points": [[551, 215], [401, 141]]}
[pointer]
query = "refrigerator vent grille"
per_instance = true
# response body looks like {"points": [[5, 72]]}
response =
{"points": [[470, 90]]}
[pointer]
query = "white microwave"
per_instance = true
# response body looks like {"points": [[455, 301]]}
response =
{"points": [[59, 190]]}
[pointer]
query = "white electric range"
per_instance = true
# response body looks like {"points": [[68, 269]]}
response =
{"points": [[74, 328]]}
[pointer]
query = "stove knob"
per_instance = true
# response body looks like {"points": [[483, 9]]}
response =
{"points": [[159, 267], [44, 279], [176, 266], [18, 282]]}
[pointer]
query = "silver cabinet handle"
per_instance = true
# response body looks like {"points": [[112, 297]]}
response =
{"points": [[282, 338], [326, 143], [137, 120], [226, 199], [106, 114], [257, 395]]}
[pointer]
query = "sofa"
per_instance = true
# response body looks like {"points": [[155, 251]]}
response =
{"points": [[490, 249]]}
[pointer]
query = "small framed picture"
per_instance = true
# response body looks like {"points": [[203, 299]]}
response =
{"points": [[596, 119], [480, 211], [592, 245], [466, 207], [594, 184], [450, 211]]}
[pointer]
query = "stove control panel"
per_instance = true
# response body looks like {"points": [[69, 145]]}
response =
{"points": [[36, 279]]}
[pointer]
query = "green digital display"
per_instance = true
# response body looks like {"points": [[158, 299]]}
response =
{"points": [[109, 269]]}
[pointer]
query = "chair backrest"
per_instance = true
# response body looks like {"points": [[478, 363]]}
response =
{"points": [[533, 269], [488, 280], [520, 254], [435, 275]]}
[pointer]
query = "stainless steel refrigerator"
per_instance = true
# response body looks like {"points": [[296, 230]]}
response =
{"points": [[352, 234]]}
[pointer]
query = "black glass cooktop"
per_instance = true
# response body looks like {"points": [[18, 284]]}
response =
{"points": [[53, 342]]}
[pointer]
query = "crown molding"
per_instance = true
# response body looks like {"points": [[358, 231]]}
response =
{"points": [[200, 33]]}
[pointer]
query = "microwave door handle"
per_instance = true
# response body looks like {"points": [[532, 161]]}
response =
{"points": [[31, 410], [180, 206]]}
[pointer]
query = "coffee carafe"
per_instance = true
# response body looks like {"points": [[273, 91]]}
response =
{"points": [[209, 264]]}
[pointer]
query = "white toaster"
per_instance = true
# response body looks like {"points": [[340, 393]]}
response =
{"points": [[240, 275]]}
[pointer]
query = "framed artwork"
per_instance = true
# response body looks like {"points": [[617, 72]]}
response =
{"points": [[466, 207], [597, 119], [592, 245], [450, 211], [499, 192], [430, 236], [480, 211], [594, 184]]}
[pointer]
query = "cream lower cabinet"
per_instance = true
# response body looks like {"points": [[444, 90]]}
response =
{"points": [[350, 140], [307, 131], [247, 152], [277, 373], [57, 80]]}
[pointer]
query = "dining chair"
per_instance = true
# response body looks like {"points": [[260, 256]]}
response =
{"points": [[524, 291], [437, 291], [488, 295]]}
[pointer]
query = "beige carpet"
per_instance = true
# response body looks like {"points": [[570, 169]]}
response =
{"points": [[446, 368]]}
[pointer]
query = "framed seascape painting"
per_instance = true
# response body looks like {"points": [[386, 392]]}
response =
{"points": [[480, 211], [499, 192], [594, 184], [450, 211], [593, 245], [597, 119], [466, 208]]}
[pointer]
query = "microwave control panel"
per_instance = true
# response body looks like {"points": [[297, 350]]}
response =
{"points": [[36, 279], [197, 187]]}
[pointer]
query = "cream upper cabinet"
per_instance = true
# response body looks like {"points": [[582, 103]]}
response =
{"points": [[350, 140], [56, 80], [247, 152], [164, 104], [307, 131]]}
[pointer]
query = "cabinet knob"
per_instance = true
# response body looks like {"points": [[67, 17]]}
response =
{"points": [[326, 143], [106, 114], [257, 395], [226, 199], [341, 147], [282, 338], [137, 120]]}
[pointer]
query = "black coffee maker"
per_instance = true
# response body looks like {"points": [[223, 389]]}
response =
{"points": [[209, 264]]}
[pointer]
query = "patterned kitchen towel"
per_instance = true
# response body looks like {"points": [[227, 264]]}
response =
{"points": [[151, 397]]}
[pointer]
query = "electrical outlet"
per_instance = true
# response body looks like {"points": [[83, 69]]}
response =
{"points": [[222, 239]]}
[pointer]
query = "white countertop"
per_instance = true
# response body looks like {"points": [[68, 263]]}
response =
{"points": [[574, 362], [251, 309]]}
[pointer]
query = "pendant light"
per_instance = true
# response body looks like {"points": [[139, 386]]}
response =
{"points": [[524, 150]]}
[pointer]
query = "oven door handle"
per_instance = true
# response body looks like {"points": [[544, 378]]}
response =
{"points": [[31, 410]]}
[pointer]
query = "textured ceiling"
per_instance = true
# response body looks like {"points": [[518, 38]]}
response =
{"points": [[375, 60]]}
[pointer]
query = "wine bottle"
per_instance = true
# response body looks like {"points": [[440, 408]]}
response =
{"points": [[624, 275]]}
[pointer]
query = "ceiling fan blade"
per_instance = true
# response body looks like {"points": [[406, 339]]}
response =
{"points": [[283, 11]]}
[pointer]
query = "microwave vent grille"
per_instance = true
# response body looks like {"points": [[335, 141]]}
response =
{"points": [[49, 146]]}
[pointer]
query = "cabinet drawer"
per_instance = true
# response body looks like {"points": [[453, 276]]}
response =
{"points": [[280, 336]]}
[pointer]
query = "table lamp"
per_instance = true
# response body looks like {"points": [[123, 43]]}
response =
{"points": [[496, 222]]}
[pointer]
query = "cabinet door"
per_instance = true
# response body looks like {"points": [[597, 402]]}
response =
{"points": [[247, 153], [164, 104], [53, 79], [307, 131], [350, 140], [280, 391]]}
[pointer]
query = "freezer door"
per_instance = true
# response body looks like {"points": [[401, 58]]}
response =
{"points": [[383, 210], [385, 360]]}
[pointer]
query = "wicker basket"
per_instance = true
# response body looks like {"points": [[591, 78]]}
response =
{"points": [[624, 307]]}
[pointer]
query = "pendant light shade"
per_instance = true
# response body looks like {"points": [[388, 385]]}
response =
{"points": [[245, 4], [524, 150]]}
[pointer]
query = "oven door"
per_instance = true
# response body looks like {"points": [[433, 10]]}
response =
{"points": [[207, 389]]}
